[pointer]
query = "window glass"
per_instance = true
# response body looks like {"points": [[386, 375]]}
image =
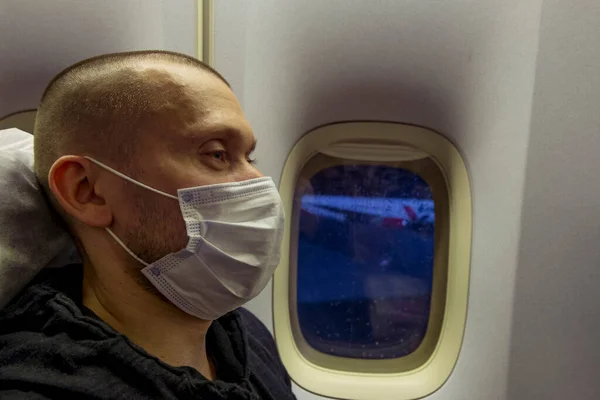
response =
{"points": [[364, 260]]}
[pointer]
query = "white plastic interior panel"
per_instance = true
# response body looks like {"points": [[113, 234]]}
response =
{"points": [[467, 69], [40, 38], [554, 352], [463, 68]]}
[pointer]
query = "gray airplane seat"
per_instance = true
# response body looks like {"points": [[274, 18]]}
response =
{"points": [[30, 240]]}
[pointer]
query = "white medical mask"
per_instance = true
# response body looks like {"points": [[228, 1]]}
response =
{"points": [[235, 232]]}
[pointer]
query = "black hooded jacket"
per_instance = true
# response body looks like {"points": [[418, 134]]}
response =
{"points": [[52, 347]]}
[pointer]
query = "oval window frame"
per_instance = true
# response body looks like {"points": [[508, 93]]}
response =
{"points": [[422, 372]]}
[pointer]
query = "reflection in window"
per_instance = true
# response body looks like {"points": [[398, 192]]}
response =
{"points": [[365, 260]]}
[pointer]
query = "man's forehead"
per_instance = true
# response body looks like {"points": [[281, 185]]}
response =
{"points": [[194, 104], [191, 97], [179, 75]]}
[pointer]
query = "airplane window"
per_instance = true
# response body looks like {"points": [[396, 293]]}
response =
{"points": [[370, 296], [365, 260]]}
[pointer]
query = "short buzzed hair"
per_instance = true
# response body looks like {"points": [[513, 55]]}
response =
{"points": [[99, 105]]}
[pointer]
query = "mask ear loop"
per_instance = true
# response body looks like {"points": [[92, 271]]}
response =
{"points": [[131, 253], [114, 171], [115, 237]]}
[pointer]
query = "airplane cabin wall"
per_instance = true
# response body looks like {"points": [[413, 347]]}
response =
{"points": [[463, 68], [554, 351], [40, 38]]}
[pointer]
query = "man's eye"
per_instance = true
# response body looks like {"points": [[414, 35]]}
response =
{"points": [[219, 155]]}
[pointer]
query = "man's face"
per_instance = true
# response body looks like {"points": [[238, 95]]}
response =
{"points": [[197, 136]]}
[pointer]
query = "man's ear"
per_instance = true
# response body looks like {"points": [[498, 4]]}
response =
{"points": [[74, 185]]}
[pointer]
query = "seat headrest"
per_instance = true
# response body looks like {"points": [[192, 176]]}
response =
{"points": [[29, 238]]}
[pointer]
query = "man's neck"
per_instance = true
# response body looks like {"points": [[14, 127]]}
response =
{"points": [[147, 319]]}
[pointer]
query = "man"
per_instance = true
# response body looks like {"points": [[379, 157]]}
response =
{"points": [[147, 157]]}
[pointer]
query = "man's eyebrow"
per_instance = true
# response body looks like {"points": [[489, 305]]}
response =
{"points": [[232, 133], [226, 132]]}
